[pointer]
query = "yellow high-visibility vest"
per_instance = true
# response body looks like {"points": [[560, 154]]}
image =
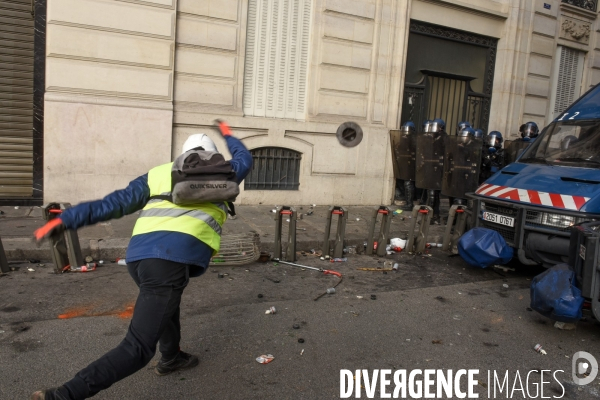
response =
{"points": [[203, 221]]}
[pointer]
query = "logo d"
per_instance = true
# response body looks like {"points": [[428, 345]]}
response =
{"points": [[582, 367]]}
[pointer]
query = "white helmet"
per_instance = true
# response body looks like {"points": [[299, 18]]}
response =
{"points": [[199, 140]]}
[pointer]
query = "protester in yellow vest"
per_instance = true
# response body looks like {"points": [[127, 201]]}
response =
{"points": [[170, 244]]}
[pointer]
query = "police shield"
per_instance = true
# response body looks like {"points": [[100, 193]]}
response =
{"points": [[404, 154], [513, 149], [461, 165], [430, 160]]}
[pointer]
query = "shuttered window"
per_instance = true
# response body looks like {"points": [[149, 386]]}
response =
{"points": [[274, 168], [16, 98], [277, 44], [568, 78]]}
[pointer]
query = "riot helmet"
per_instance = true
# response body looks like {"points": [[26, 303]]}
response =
{"points": [[438, 125], [427, 125], [478, 134], [493, 141], [529, 131], [461, 125], [408, 127], [567, 141], [466, 133]]}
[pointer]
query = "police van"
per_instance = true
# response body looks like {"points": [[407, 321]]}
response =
{"points": [[552, 190]]}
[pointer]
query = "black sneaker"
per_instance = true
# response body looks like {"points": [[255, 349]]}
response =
{"points": [[181, 362]]}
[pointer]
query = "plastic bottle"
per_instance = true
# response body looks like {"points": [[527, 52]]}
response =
{"points": [[538, 348], [339, 259], [84, 268], [331, 291]]}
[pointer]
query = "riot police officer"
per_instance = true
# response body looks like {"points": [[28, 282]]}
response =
{"points": [[462, 125], [406, 131], [529, 131], [438, 128], [465, 135], [492, 159], [478, 134]]}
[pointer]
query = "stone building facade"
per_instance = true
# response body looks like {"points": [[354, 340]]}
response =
{"points": [[122, 83]]}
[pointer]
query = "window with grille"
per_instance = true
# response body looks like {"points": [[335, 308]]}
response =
{"points": [[275, 168], [275, 73], [569, 68]]}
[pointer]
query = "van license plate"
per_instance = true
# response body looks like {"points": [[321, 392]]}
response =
{"points": [[499, 219]]}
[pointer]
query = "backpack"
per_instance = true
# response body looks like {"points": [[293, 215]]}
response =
{"points": [[199, 176]]}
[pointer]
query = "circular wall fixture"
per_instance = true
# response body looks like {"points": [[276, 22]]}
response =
{"points": [[349, 134]]}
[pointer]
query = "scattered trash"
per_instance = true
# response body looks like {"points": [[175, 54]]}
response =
{"points": [[302, 352], [300, 340], [380, 269], [265, 358], [397, 244], [565, 326], [1, 331], [273, 211], [322, 258], [89, 259], [352, 250], [260, 296], [338, 259], [358, 219], [503, 268], [101, 262], [505, 286], [434, 245], [271, 310], [296, 326], [331, 291], [84, 268], [538, 348], [395, 267], [481, 247], [16, 207], [359, 297], [397, 212], [373, 297], [554, 294], [121, 261], [30, 269]]}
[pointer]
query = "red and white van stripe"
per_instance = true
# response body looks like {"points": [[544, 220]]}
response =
{"points": [[556, 200]]}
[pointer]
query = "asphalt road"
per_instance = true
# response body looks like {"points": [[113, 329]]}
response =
{"points": [[434, 313]]}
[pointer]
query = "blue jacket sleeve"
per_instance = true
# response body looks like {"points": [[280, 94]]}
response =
{"points": [[242, 159], [115, 205]]}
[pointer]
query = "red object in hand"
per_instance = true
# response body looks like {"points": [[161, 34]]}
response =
{"points": [[47, 230], [223, 127]]}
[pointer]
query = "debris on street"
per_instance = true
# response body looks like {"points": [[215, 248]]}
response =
{"points": [[265, 358], [538, 348]]}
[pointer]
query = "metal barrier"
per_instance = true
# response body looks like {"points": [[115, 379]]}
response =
{"points": [[3, 263], [290, 254], [65, 245], [459, 213], [418, 242], [338, 248], [384, 230]]}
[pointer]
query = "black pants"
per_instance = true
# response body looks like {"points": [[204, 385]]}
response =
{"points": [[155, 320]]}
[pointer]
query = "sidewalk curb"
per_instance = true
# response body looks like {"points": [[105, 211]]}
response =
{"points": [[20, 249]]}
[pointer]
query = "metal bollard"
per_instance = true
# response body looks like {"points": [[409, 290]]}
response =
{"points": [[338, 248], [3, 263], [65, 246], [384, 230], [290, 254], [418, 243], [458, 212]]}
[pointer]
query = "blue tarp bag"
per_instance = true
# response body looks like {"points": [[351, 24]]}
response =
{"points": [[481, 247], [554, 294]]}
